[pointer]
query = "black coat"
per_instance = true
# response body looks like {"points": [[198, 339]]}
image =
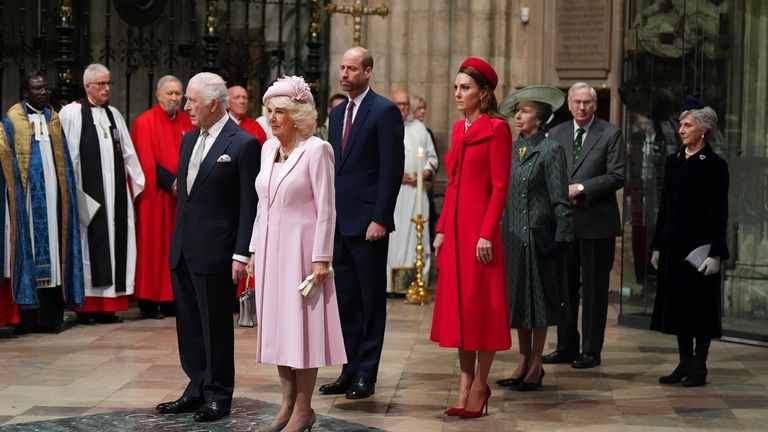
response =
{"points": [[693, 212]]}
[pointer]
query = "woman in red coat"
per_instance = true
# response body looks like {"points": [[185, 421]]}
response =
{"points": [[471, 305]]}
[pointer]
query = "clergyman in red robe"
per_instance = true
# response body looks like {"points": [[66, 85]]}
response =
{"points": [[157, 136]]}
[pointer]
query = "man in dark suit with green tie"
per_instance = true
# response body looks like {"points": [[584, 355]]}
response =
{"points": [[596, 157]]}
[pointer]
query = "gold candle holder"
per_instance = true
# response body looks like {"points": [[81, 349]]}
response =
{"points": [[417, 291]]}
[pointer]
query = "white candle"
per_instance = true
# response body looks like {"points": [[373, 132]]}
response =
{"points": [[419, 181]]}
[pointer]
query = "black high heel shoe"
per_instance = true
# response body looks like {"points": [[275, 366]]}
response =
{"points": [[531, 386], [512, 381]]}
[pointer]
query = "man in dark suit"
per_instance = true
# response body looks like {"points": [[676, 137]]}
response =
{"points": [[595, 154], [366, 133], [209, 246]]}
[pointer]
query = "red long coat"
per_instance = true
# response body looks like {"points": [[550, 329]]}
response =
{"points": [[157, 140], [471, 305]]}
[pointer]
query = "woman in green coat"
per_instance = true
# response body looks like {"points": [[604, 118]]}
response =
{"points": [[536, 229]]}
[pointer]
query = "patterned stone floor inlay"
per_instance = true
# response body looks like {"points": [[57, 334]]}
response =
{"points": [[247, 415]]}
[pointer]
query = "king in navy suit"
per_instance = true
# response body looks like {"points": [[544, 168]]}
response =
{"points": [[209, 246], [366, 133]]}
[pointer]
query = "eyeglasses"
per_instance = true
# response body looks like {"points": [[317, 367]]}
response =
{"points": [[102, 84]]}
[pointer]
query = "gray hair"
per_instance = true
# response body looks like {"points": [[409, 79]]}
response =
{"points": [[416, 100], [166, 79], [93, 69], [706, 118], [211, 86], [579, 86]]}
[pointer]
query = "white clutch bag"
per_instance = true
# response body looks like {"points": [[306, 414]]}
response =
{"points": [[308, 287]]}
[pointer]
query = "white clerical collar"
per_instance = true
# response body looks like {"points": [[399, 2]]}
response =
{"points": [[39, 124], [234, 119]]}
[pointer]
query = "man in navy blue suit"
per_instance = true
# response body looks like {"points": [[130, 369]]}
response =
{"points": [[366, 133], [209, 246]]}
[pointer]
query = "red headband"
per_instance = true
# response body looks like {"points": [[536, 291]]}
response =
{"points": [[484, 68]]}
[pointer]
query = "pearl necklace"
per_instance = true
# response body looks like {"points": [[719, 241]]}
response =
{"points": [[284, 154], [688, 153]]}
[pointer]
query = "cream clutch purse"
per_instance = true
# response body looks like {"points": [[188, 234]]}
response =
{"points": [[308, 287]]}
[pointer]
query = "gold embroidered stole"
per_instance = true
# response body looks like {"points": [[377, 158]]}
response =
{"points": [[10, 184], [22, 142]]}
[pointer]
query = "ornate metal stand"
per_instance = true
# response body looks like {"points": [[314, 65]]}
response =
{"points": [[417, 292]]}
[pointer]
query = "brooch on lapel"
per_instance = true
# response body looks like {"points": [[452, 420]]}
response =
{"points": [[521, 151], [702, 157]]}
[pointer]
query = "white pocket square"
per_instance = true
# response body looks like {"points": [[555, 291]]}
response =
{"points": [[224, 158]]}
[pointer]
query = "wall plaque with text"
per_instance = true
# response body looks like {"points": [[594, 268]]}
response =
{"points": [[583, 38]]}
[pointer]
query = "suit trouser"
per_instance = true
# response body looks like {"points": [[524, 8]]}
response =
{"points": [[205, 332], [588, 266], [361, 290]]}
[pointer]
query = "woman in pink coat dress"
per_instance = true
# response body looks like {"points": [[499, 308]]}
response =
{"points": [[293, 238]]}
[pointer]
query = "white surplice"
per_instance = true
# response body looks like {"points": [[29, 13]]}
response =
{"points": [[402, 242], [51, 182], [71, 121]]}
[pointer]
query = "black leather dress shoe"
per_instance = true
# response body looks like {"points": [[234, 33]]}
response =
{"points": [[557, 357], [181, 405], [212, 411], [586, 360], [340, 386], [362, 388]]}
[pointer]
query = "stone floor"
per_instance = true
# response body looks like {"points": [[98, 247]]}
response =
{"points": [[55, 382]]}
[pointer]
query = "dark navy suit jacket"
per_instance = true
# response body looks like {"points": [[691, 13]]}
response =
{"points": [[215, 220], [369, 173]]}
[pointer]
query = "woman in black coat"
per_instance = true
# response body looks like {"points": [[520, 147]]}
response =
{"points": [[693, 212]]}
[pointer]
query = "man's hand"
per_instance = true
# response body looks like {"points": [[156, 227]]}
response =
{"points": [[321, 271], [409, 179], [438, 243], [238, 270], [375, 231], [173, 189], [573, 192]]}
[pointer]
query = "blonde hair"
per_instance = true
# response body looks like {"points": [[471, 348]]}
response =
{"points": [[303, 115]]}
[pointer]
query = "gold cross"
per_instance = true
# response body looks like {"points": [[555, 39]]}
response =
{"points": [[357, 11]]}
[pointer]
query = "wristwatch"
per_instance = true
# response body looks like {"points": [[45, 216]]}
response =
{"points": [[580, 187]]}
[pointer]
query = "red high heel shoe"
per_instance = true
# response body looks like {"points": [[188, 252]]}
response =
{"points": [[453, 411], [475, 414]]}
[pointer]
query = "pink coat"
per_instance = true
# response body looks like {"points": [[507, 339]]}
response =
{"points": [[294, 226]]}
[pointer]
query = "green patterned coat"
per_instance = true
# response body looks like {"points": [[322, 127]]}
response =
{"points": [[537, 215]]}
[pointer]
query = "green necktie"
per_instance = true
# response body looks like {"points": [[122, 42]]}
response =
{"points": [[577, 143]]}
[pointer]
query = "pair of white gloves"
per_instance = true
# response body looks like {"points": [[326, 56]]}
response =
{"points": [[710, 266]]}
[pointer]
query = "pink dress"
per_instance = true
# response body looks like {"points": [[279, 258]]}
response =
{"points": [[294, 226]]}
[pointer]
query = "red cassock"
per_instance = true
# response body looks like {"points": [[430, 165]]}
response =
{"points": [[471, 305], [157, 139], [9, 313], [254, 128]]}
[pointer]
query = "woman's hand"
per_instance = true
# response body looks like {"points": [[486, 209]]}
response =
{"points": [[321, 271], [438, 243], [655, 259], [710, 266], [249, 266], [483, 251]]}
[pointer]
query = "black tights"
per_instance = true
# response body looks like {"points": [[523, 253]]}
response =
{"points": [[685, 346]]}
